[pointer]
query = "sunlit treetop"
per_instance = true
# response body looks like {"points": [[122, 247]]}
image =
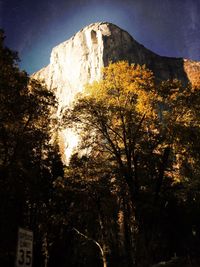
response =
{"points": [[132, 116], [125, 85]]}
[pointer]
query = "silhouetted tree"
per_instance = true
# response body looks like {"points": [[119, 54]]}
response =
{"points": [[28, 161]]}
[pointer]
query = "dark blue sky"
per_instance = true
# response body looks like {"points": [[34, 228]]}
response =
{"points": [[33, 27]]}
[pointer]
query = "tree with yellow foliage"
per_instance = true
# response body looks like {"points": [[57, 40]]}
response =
{"points": [[130, 118], [114, 113], [148, 132]]}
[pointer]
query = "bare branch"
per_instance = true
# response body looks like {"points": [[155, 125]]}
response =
{"points": [[95, 242]]}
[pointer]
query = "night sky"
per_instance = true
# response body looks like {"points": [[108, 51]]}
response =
{"points": [[33, 27]]}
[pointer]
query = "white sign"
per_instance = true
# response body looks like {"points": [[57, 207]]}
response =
{"points": [[24, 248]]}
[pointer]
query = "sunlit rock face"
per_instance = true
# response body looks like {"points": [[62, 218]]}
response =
{"points": [[80, 59], [75, 62]]}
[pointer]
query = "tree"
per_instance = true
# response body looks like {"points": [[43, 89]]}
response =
{"points": [[89, 212], [27, 158], [148, 131], [113, 113]]}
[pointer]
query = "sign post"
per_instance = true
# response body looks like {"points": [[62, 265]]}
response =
{"points": [[24, 248]]}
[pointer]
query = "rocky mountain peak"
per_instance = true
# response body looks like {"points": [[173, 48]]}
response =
{"points": [[80, 59]]}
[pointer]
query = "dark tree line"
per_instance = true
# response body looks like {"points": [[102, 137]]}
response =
{"points": [[128, 197], [28, 162]]}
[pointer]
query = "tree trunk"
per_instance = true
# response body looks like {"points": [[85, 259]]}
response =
{"points": [[103, 254], [163, 166]]}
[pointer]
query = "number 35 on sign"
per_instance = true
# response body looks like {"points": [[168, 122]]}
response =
{"points": [[24, 248]]}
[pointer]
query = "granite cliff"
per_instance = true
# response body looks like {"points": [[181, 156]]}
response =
{"points": [[80, 59]]}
